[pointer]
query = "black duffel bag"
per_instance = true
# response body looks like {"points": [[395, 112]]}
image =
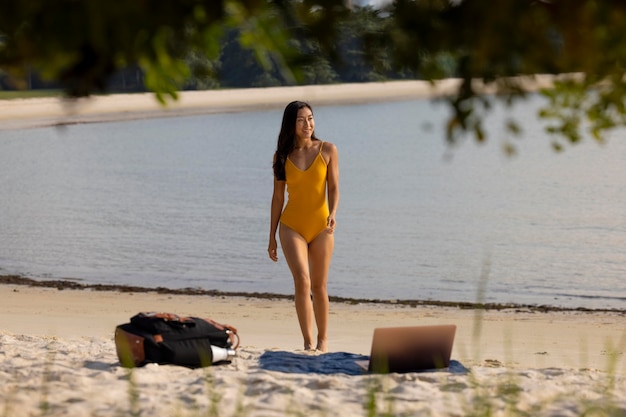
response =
{"points": [[166, 338]]}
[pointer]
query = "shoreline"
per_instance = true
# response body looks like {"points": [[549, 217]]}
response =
{"points": [[57, 111], [64, 284]]}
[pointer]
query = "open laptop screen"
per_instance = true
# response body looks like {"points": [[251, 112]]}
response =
{"points": [[413, 348]]}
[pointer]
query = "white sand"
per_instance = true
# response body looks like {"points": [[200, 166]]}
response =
{"points": [[37, 112], [57, 346]]}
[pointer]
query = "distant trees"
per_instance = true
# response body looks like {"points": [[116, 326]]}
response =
{"points": [[86, 46], [237, 66]]}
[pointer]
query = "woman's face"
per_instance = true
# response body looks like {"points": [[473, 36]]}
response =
{"points": [[304, 123]]}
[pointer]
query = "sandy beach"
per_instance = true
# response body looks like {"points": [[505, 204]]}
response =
{"points": [[50, 111], [57, 354], [56, 347]]}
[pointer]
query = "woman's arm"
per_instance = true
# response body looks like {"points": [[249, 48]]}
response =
{"points": [[278, 200], [333, 183]]}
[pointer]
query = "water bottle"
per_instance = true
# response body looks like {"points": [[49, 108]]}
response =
{"points": [[222, 354]]}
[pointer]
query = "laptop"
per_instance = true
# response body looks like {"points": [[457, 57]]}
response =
{"points": [[410, 349]]}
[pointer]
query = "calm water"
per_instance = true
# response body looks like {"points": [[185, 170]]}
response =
{"points": [[184, 202]]}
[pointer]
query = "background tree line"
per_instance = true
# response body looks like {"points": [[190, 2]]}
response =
{"points": [[90, 46], [238, 67]]}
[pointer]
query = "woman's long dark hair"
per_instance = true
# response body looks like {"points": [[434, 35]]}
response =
{"points": [[287, 137]]}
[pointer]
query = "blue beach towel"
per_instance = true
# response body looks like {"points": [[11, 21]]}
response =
{"points": [[327, 363]]}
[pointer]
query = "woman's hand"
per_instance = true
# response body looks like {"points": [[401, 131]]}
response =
{"points": [[331, 223], [272, 250]]}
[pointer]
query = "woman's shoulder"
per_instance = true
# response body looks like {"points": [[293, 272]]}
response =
{"points": [[329, 151], [328, 146]]}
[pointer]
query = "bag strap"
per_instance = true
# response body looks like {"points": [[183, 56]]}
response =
{"points": [[232, 332], [232, 336]]}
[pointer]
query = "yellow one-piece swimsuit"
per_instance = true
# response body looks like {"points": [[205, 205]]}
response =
{"points": [[306, 211]]}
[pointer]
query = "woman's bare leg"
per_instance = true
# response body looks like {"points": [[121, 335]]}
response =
{"points": [[295, 250], [320, 254]]}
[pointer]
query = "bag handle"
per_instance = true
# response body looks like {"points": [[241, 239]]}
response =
{"points": [[232, 332], [232, 335]]}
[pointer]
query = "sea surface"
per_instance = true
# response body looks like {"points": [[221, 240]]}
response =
{"points": [[184, 203]]}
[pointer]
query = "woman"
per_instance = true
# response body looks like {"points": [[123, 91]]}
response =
{"points": [[308, 169]]}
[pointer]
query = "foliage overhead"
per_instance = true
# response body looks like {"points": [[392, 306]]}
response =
{"points": [[497, 42], [81, 43], [500, 44]]}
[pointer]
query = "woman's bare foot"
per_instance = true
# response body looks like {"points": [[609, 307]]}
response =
{"points": [[322, 346]]}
